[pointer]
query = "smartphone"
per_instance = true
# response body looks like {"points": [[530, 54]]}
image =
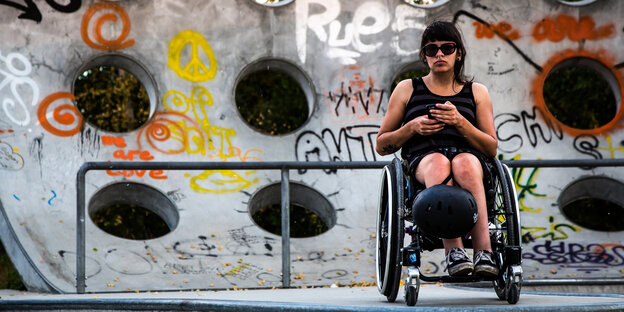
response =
{"points": [[429, 107]]}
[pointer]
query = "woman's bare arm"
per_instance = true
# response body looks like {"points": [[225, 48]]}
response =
{"points": [[392, 135]]}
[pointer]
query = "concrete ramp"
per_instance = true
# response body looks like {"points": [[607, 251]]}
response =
{"points": [[431, 298], [190, 56]]}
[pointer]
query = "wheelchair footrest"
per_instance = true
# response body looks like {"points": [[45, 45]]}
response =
{"points": [[455, 279]]}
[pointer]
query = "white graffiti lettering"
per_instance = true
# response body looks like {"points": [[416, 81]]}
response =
{"points": [[15, 77], [369, 18]]}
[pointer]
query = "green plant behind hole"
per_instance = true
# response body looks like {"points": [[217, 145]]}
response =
{"points": [[596, 214], [579, 97], [130, 221], [111, 99], [303, 222], [271, 102]]}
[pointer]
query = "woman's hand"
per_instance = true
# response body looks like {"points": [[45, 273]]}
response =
{"points": [[447, 113], [425, 126]]}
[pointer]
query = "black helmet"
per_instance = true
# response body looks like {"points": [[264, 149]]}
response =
{"points": [[445, 211]]}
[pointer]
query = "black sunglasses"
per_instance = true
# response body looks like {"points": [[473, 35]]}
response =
{"points": [[431, 49]]}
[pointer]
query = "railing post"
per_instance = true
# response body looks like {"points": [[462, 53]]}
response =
{"points": [[80, 231], [285, 228]]}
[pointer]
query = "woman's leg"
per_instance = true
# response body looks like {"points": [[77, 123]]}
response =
{"points": [[432, 170], [468, 173]]}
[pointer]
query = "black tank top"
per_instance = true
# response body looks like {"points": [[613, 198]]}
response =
{"points": [[447, 137]]}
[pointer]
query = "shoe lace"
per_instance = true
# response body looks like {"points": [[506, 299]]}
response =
{"points": [[482, 255]]}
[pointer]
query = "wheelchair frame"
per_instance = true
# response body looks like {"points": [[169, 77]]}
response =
{"points": [[394, 221]]}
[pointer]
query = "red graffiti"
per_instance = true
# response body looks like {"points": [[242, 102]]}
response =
{"points": [[170, 133], [504, 29], [558, 28], [66, 117], [143, 155], [537, 89], [100, 42], [154, 174], [130, 155], [110, 140]]}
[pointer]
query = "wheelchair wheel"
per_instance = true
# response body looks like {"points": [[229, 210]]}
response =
{"points": [[505, 234], [411, 295], [412, 286], [389, 231]]}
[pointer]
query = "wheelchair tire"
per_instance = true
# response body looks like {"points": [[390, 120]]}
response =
{"points": [[500, 286], [509, 220], [511, 205], [514, 294], [411, 295], [389, 231]]}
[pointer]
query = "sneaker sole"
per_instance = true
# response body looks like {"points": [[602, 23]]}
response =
{"points": [[462, 269], [486, 271]]}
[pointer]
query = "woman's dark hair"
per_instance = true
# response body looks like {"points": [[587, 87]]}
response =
{"points": [[446, 31]]}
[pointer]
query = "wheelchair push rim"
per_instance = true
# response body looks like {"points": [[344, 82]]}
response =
{"points": [[388, 232]]}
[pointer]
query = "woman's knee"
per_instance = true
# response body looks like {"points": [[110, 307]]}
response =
{"points": [[432, 168], [466, 166]]}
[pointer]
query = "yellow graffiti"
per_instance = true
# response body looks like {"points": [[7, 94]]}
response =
{"points": [[236, 270], [194, 70], [526, 188], [610, 148], [220, 181], [198, 136], [530, 233], [217, 143]]}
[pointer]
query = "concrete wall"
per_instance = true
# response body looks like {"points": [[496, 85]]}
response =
{"points": [[348, 50]]}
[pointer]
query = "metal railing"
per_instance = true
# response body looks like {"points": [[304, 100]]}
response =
{"points": [[284, 167]]}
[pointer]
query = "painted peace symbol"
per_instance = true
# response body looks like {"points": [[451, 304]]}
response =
{"points": [[195, 70]]}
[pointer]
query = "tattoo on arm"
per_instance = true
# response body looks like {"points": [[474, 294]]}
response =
{"points": [[390, 149]]}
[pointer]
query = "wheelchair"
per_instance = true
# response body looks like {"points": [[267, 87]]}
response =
{"points": [[395, 221]]}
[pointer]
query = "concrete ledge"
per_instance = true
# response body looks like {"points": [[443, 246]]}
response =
{"points": [[431, 298], [243, 306]]}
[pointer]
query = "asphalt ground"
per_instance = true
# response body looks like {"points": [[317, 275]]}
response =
{"points": [[432, 297]]}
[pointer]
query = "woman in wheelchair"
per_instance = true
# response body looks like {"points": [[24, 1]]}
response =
{"points": [[444, 125]]}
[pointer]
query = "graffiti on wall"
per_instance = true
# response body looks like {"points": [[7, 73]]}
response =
{"points": [[122, 154], [66, 121], [555, 231], [587, 258], [30, 10], [54, 113], [353, 143], [16, 69], [536, 128], [185, 125], [98, 15], [10, 158], [195, 70], [356, 99], [345, 41], [188, 126], [556, 29]]}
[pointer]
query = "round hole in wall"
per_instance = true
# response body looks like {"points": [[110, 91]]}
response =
{"points": [[409, 71], [133, 211], [113, 92], [274, 96], [576, 2], [272, 3], [426, 4], [311, 213], [594, 203], [582, 93]]}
